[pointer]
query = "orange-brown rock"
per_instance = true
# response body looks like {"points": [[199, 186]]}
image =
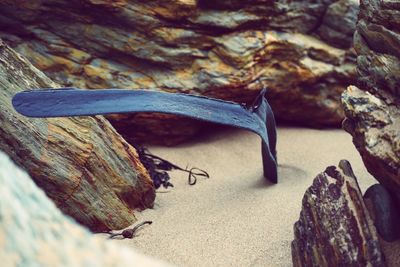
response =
{"points": [[218, 49], [83, 164], [373, 106]]}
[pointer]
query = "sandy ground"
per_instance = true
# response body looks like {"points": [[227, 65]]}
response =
{"points": [[237, 218]]}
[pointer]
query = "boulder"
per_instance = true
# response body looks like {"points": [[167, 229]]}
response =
{"points": [[385, 213], [300, 49], [83, 164], [338, 23], [35, 233], [335, 228], [390, 248], [373, 106]]}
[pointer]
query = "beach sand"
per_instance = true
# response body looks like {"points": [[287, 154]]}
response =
{"points": [[237, 218]]}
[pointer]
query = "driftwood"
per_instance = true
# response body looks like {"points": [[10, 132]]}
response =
{"points": [[34, 232], [82, 164], [335, 228], [303, 49]]}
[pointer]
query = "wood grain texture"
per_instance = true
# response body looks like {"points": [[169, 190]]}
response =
{"points": [[82, 164]]}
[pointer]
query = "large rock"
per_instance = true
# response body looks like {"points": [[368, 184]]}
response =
{"points": [[335, 228], [213, 48], [373, 108], [33, 232], [82, 164]]}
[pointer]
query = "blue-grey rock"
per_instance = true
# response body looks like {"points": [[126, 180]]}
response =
{"points": [[339, 23], [386, 212]]}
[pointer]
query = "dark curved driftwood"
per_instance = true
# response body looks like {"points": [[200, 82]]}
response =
{"points": [[66, 102]]}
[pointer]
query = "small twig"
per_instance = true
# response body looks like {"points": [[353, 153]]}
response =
{"points": [[163, 192], [129, 233]]}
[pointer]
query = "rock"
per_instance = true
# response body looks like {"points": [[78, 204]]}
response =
{"points": [[216, 49], [82, 164], [374, 125], [335, 228], [386, 213], [339, 22], [373, 107], [35, 233], [156, 128], [390, 249]]}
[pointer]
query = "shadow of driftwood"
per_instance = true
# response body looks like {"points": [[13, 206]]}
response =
{"points": [[286, 174]]}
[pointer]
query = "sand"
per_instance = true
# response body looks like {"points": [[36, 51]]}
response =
{"points": [[237, 218]]}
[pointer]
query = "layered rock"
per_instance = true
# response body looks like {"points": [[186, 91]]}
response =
{"points": [[82, 164], [217, 49], [335, 228], [373, 107], [35, 233]]}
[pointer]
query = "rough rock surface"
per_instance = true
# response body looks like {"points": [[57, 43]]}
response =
{"points": [[83, 165], [217, 49], [373, 107], [335, 228], [33, 232]]}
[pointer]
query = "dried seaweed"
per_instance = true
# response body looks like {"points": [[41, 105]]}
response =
{"points": [[158, 167]]}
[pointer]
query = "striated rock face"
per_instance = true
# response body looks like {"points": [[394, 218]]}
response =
{"points": [[335, 228], [35, 233], [83, 165], [373, 108], [218, 49]]}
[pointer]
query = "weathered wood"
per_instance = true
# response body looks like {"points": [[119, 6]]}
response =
{"points": [[335, 228], [33, 232], [257, 118], [82, 164]]}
